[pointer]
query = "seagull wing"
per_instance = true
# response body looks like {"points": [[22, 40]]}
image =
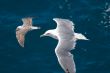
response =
{"points": [[65, 58], [80, 36], [64, 25], [20, 35], [27, 21]]}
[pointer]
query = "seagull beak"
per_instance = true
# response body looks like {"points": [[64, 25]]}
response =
{"points": [[39, 27], [88, 39], [42, 35]]}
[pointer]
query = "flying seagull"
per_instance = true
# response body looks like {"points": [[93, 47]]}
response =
{"points": [[67, 38], [22, 30]]}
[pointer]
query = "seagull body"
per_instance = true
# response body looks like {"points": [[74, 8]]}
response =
{"points": [[67, 38], [22, 30]]}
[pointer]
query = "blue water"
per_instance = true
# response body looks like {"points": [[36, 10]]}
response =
{"points": [[38, 55]]}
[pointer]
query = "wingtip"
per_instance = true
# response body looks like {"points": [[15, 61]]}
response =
{"points": [[22, 45], [28, 18], [55, 19], [39, 27]]}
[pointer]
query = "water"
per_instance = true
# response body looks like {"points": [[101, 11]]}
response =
{"points": [[38, 55]]}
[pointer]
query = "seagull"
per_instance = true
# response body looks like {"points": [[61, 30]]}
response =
{"points": [[22, 30], [67, 38]]}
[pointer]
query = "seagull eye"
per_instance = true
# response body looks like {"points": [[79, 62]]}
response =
{"points": [[48, 33]]}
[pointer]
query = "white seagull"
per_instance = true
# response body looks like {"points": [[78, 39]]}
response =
{"points": [[66, 37], [22, 30]]}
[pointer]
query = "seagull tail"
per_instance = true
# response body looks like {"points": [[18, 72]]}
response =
{"points": [[33, 27], [80, 36]]}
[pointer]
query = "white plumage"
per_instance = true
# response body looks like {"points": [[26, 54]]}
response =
{"points": [[66, 37]]}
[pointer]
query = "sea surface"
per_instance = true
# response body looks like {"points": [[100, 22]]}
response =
{"points": [[38, 55]]}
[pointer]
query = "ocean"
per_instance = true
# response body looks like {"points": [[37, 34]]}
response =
{"points": [[38, 55]]}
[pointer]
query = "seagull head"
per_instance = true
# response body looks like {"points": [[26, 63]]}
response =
{"points": [[47, 33], [18, 28]]}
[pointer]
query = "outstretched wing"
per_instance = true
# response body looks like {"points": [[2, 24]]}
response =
{"points": [[27, 21], [20, 35], [80, 36], [65, 58], [64, 25]]}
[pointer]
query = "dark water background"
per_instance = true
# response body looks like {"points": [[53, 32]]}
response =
{"points": [[38, 55]]}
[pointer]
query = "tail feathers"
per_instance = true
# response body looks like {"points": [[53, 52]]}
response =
{"points": [[33, 27], [80, 36]]}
